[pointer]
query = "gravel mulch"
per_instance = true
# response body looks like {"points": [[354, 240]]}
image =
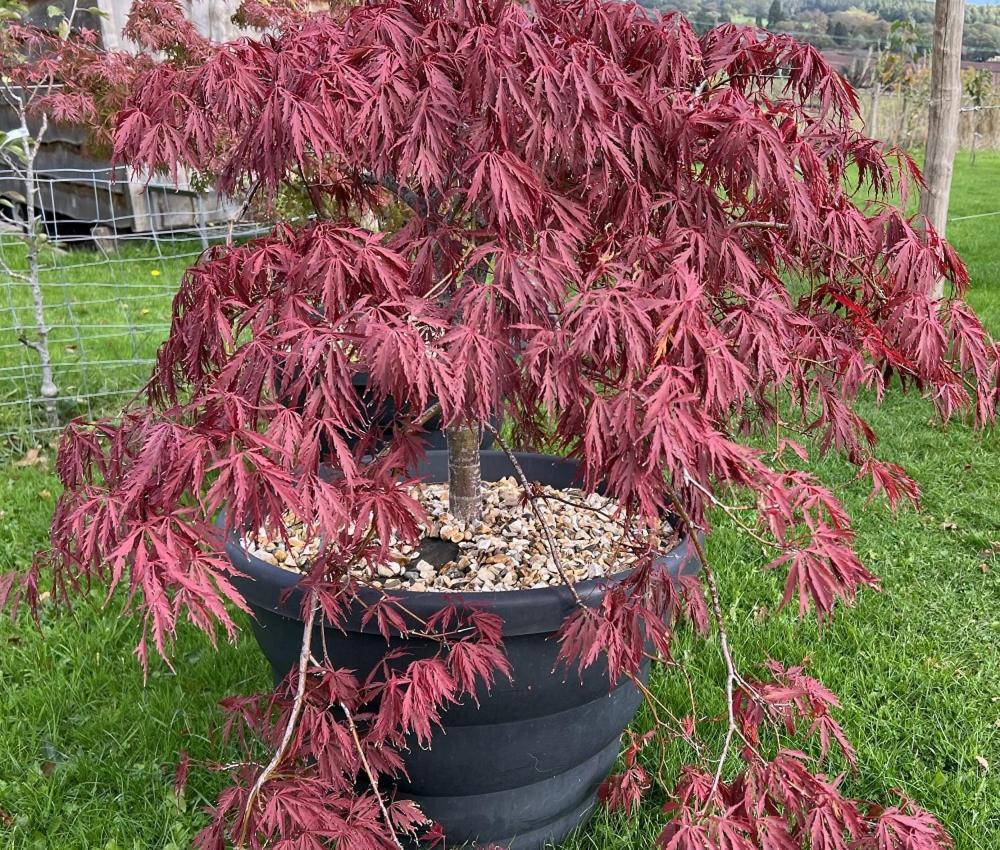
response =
{"points": [[506, 550]]}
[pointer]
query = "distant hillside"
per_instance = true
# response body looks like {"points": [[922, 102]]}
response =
{"points": [[850, 24]]}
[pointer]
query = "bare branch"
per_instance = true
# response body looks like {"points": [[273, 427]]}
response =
{"points": [[370, 773], [415, 201], [293, 719], [34, 346], [732, 676], [763, 225]]}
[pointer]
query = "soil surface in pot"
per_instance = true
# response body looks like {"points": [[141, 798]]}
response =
{"points": [[506, 550]]}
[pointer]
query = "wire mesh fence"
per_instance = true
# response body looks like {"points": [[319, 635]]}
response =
{"points": [[105, 270], [901, 119]]}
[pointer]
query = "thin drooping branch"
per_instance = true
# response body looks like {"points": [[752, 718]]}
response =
{"points": [[305, 655], [369, 773], [655, 705], [730, 511], [732, 676], [313, 607]]}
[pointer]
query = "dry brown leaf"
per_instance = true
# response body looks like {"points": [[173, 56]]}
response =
{"points": [[32, 457], [985, 765]]}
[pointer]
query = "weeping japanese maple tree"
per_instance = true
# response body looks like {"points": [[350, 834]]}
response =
{"points": [[642, 247]]}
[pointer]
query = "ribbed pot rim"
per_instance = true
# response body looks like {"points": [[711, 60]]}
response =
{"points": [[523, 611]]}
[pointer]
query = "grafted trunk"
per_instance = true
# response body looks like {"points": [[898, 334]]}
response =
{"points": [[465, 499], [942, 123]]}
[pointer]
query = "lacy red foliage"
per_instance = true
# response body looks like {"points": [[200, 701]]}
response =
{"points": [[347, 734], [791, 696], [625, 790], [634, 243]]}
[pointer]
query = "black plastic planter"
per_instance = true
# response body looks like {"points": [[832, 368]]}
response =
{"points": [[522, 769]]}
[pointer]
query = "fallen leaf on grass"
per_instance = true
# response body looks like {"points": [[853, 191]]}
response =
{"points": [[44, 494], [32, 457], [949, 526], [985, 765], [51, 759]]}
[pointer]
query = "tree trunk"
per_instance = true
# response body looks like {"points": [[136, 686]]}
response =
{"points": [[33, 237], [942, 123], [465, 498]]}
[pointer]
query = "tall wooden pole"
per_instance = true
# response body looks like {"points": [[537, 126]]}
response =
{"points": [[943, 112]]}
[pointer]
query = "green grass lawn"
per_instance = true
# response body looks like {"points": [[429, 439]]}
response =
{"points": [[86, 750]]}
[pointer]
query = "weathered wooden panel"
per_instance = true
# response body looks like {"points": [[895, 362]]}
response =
{"points": [[77, 184], [212, 18]]}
